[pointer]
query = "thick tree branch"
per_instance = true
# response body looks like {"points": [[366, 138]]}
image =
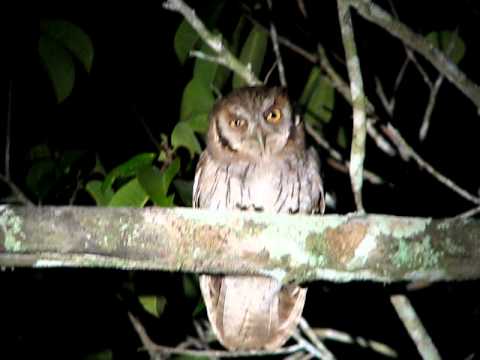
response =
{"points": [[442, 63], [289, 247]]}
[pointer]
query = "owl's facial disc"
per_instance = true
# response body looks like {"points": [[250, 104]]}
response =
{"points": [[261, 139]]}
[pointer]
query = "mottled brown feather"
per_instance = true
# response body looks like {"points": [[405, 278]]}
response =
{"points": [[255, 312]]}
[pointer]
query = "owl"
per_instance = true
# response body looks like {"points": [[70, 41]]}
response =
{"points": [[255, 160]]}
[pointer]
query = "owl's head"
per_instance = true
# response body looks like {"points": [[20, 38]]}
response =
{"points": [[254, 122]]}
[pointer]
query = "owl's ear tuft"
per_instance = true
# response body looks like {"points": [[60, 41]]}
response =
{"points": [[282, 91]]}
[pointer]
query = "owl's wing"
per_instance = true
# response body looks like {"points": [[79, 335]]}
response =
{"points": [[315, 180], [199, 173]]}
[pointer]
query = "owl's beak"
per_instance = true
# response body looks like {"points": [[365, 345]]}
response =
{"points": [[261, 139]]}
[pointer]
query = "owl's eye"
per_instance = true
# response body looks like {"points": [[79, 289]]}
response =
{"points": [[237, 123], [274, 116]]}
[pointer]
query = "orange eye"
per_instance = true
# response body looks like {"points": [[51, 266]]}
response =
{"points": [[274, 116], [236, 123]]}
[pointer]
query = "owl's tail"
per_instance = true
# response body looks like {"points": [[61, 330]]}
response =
{"points": [[252, 312]]}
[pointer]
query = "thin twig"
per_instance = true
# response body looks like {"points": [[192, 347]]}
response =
{"points": [[301, 6], [146, 128], [434, 89], [367, 175], [270, 72], [310, 348], [8, 129], [339, 162], [388, 104], [400, 76], [359, 133], [20, 196], [343, 337], [437, 58], [468, 213], [311, 57], [296, 356], [411, 56], [429, 109], [276, 49], [78, 187], [155, 350], [308, 331], [415, 329], [148, 344], [398, 139], [342, 87], [215, 42]]}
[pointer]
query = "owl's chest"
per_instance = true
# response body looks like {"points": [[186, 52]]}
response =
{"points": [[273, 187]]}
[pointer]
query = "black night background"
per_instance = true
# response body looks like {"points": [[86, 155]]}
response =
{"points": [[134, 92]]}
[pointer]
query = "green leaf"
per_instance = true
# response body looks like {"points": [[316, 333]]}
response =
{"points": [[253, 53], [59, 64], [102, 355], [102, 198], [128, 168], [154, 305], [98, 168], [157, 183], [40, 151], [183, 136], [184, 189], [131, 194], [310, 86], [205, 70], [185, 39], [199, 123], [190, 286], [197, 99], [68, 159], [170, 173], [319, 97], [71, 37], [199, 308], [342, 138], [449, 43], [42, 177]]}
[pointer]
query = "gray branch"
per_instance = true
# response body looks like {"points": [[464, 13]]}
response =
{"points": [[288, 247], [359, 133], [215, 42], [439, 60]]}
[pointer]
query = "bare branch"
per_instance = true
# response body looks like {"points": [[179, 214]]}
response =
{"points": [[340, 163], [158, 351], [408, 151], [312, 349], [343, 337], [342, 87], [308, 331], [276, 49], [359, 133], [215, 42], [388, 104], [469, 213], [412, 323], [429, 109], [437, 58], [19, 195], [8, 130]]}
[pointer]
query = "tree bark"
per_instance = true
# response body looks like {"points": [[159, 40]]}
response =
{"points": [[289, 247]]}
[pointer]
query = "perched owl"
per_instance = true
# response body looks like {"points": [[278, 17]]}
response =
{"points": [[255, 160]]}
